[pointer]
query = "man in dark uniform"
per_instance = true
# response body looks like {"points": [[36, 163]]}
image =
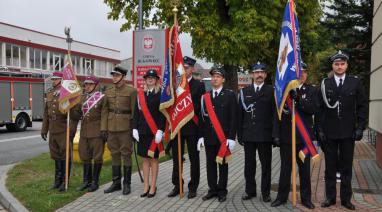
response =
{"points": [[224, 106], [342, 119], [189, 133], [117, 115], [306, 106], [91, 146], [55, 123], [256, 114]]}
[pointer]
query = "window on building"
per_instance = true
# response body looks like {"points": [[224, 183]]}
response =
{"points": [[8, 54], [15, 56], [55, 61], [23, 56], [37, 59], [44, 60], [88, 65], [1, 54], [101, 68]]}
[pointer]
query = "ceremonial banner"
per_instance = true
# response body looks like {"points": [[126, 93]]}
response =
{"points": [[176, 103], [289, 59], [70, 92]]}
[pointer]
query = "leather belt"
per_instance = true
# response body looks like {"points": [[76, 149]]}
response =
{"points": [[119, 111]]}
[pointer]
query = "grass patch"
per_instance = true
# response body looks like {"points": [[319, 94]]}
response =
{"points": [[29, 182]]}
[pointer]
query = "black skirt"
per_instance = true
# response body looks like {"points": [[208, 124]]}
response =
{"points": [[144, 146]]}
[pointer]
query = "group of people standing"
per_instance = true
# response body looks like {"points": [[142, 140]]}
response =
{"points": [[335, 114]]}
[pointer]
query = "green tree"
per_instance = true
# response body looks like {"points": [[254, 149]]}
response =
{"points": [[348, 24], [233, 33]]}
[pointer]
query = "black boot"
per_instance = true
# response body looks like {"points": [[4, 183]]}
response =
{"points": [[126, 180], [63, 168], [116, 185], [87, 177], [96, 172], [57, 175]]}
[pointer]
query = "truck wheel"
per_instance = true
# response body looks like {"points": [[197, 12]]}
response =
{"points": [[21, 123]]}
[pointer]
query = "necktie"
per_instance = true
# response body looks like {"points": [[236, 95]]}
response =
{"points": [[216, 94], [340, 84], [257, 89]]}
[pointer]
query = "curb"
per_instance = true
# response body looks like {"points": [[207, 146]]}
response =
{"points": [[9, 202]]}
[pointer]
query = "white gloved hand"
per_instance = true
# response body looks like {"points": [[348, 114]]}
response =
{"points": [[200, 143], [158, 136], [231, 144], [136, 135]]}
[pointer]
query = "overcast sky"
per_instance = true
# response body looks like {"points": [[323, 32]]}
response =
{"points": [[87, 18]]}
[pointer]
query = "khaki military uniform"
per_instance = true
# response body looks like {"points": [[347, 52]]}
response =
{"points": [[117, 114], [55, 122], [90, 146]]}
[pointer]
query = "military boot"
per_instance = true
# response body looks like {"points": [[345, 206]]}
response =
{"points": [[87, 177], [96, 172], [116, 185], [126, 180], [57, 175]]}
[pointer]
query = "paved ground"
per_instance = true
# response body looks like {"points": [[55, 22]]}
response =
{"points": [[18, 146], [367, 184]]}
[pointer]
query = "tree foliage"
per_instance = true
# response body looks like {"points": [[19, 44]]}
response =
{"points": [[233, 33], [348, 26]]}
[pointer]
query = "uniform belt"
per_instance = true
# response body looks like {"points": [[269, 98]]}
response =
{"points": [[120, 111]]}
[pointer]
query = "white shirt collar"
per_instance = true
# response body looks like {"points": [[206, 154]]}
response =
{"points": [[216, 90], [260, 86], [337, 78], [189, 79], [299, 87]]}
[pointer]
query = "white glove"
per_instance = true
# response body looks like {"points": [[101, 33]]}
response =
{"points": [[136, 135], [158, 136], [200, 143], [231, 144]]}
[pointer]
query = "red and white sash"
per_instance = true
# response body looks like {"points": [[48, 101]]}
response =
{"points": [[152, 125], [224, 152], [91, 102]]}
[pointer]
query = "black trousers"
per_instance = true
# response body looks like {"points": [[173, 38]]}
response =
{"points": [[217, 185], [339, 153], [265, 155], [286, 171], [193, 154]]}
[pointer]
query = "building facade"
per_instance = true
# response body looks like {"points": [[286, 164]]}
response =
{"points": [[375, 111], [25, 50]]}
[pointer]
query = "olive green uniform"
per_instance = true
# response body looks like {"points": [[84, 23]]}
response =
{"points": [[117, 114], [91, 146], [54, 122]]}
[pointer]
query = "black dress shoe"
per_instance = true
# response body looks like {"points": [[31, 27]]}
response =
{"points": [[191, 194], [222, 198], [149, 195], [327, 203], [173, 193], [146, 193], [277, 203], [308, 204], [348, 205], [266, 198], [247, 196], [209, 196]]}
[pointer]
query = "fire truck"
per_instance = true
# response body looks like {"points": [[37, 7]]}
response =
{"points": [[22, 99]]}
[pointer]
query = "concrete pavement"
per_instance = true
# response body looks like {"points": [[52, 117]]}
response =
{"points": [[367, 184]]}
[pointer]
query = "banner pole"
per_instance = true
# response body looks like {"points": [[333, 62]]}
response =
{"points": [[180, 167], [67, 152], [294, 198]]}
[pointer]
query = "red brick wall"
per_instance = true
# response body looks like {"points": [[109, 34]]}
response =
{"points": [[378, 149]]}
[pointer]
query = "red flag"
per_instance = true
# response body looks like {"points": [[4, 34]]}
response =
{"points": [[177, 108]]}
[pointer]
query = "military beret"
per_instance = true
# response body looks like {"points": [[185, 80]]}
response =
{"points": [[188, 61], [91, 80], [57, 75]]}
